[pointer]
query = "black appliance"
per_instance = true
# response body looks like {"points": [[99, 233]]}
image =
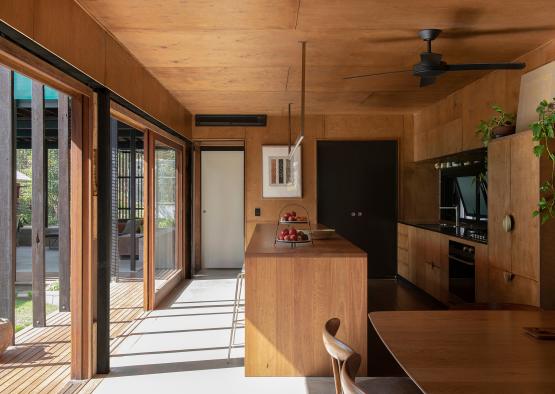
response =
{"points": [[465, 187], [462, 272]]}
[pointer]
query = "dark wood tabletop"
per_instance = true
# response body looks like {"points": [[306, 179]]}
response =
{"points": [[470, 351], [262, 244]]}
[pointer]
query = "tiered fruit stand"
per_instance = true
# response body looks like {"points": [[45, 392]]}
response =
{"points": [[288, 218]]}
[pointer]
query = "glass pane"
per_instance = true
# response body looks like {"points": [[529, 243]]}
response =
{"points": [[129, 200], [165, 213], [24, 193]]}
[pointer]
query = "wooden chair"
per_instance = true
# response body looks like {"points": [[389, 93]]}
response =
{"points": [[379, 385], [337, 350], [340, 352]]}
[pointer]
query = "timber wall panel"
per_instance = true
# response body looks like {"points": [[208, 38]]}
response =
{"points": [[473, 103], [413, 202], [68, 31], [18, 13]]}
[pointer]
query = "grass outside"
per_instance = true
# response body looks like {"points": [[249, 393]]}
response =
{"points": [[24, 312]]}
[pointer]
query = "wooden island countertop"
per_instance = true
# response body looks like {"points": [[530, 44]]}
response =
{"points": [[291, 293], [262, 244]]}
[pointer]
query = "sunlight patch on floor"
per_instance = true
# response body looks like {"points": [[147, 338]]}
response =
{"points": [[183, 348]]}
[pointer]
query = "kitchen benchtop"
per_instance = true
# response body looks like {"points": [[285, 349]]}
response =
{"points": [[262, 244], [450, 230]]}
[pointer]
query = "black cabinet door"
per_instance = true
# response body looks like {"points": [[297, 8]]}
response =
{"points": [[357, 195]]}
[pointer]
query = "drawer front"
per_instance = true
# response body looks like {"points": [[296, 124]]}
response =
{"points": [[403, 270], [402, 236], [402, 256]]}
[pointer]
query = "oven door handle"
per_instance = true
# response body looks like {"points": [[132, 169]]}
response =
{"points": [[459, 260]]}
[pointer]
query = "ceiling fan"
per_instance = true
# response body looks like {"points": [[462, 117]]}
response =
{"points": [[431, 65]]}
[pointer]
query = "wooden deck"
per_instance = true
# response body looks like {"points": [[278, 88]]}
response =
{"points": [[40, 361]]}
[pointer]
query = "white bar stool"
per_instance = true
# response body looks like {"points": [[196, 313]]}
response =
{"points": [[236, 322]]}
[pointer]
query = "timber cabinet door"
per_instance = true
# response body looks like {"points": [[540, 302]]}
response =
{"points": [[425, 256], [513, 192], [432, 280], [403, 250]]}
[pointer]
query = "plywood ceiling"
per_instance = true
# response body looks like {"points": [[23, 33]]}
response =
{"points": [[243, 56]]}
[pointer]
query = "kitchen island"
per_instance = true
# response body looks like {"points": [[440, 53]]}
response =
{"points": [[291, 293]]}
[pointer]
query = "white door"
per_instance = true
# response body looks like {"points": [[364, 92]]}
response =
{"points": [[222, 209]]}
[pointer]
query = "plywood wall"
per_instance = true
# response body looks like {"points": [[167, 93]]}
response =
{"points": [[65, 29], [473, 102], [418, 205]]}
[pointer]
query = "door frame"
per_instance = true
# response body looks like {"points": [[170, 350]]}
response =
{"points": [[152, 133], [198, 147]]}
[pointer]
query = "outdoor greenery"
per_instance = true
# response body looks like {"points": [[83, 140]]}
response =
{"points": [[165, 187], [24, 165], [542, 133], [24, 312]]}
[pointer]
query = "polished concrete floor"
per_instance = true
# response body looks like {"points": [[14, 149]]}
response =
{"points": [[182, 347]]}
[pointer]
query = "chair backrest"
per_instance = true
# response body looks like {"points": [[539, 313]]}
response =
{"points": [[338, 351], [348, 373]]}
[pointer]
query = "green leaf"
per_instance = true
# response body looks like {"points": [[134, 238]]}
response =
{"points": [[535, 213], [538, 150], [545, 218]]}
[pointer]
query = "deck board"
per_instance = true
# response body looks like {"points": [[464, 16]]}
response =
{"points": [[40, 361]]}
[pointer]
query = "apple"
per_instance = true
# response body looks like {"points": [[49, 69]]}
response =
{"points": [[284, 232], [293, 213], [284, 218], [292, 237], [281, 237], [293, 231]]}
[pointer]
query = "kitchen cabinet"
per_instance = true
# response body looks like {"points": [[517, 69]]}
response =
{"points": [[513, 193], [442, 140], [403, 250], [419, 258], [423, 259]]}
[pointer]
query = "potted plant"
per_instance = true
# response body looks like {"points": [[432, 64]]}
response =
{"points": [[6, 334], [502, 124], [543, 131]]}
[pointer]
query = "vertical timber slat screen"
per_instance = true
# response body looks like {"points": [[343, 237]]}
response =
{"points": [[63, 201], [38, 205], [7, 197]]}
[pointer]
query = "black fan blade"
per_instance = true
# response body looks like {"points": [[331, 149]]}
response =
{"points": [[373, 75], [485, 66], [425, 81]]}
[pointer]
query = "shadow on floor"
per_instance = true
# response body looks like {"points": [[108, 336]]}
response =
{"points": [[186, 366]]}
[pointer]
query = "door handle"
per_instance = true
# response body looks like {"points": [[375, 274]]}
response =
{"points": [[508, 223], [359, 214], [353, 214], [204, 211]]}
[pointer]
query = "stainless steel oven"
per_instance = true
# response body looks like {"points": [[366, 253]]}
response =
{"points": [[462, 272]]}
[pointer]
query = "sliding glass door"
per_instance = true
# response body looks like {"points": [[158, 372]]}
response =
{"points": [[167, 212]]}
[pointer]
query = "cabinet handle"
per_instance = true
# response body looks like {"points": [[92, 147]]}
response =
{"points": [[508, 223]]}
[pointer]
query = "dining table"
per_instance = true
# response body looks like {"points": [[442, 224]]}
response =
{"points": [[478, 351]]}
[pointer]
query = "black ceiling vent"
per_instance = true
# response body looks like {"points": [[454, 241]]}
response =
{"points": [[231, 120]]}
